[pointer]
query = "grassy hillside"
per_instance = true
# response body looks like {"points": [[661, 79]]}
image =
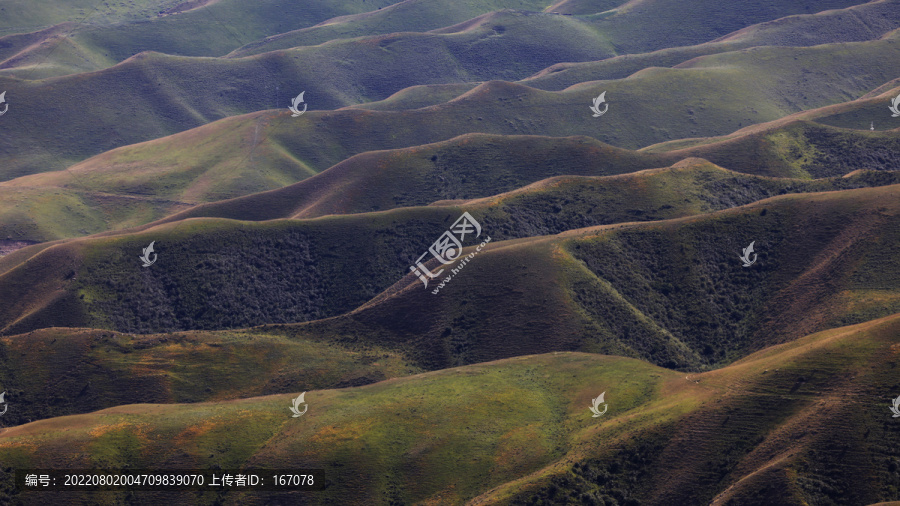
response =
{"points": [[869, 21], [641, 26], [219, 27], [849, 116], [805, 422], [46, 214], [671, 292], [182, 93], [111, 32], [418, 16], [632, 27], [119, 189], [469, 166], [475, 166], [803, 149], [56, 372], [27, 15]]}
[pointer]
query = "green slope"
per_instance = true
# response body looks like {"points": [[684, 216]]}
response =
{"points": [[640, 26], [110, 32], [57, 372], [419, 16], [869, 21], [46, 214], [221, 26], [475, 166], [171, 94], [810, 416], [28, 15], [138, 184]]}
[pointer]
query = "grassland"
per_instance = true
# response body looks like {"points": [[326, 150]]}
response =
{"points": [[144, 183], [868, 21], [771, 428], [670, 292], [611, 263], [57, 372], [99, 33], [174, 93]]}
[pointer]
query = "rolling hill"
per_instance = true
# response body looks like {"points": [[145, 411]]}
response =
{"points": [[802, 422], [112, 191], [173, 93], [671, 292], [716, 255], [475, 166], [57, 372], [100, 34], [868, 21]]}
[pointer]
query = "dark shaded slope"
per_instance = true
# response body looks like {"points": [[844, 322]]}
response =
{"points": [[673, 292]]}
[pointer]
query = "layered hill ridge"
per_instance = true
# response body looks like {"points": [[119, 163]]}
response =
{"points": [[792, 415], [107, 34], [671, 292], [174, 93], [718, 254], [474, 166], [217, 27], [868, 21], [113, 191]]}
